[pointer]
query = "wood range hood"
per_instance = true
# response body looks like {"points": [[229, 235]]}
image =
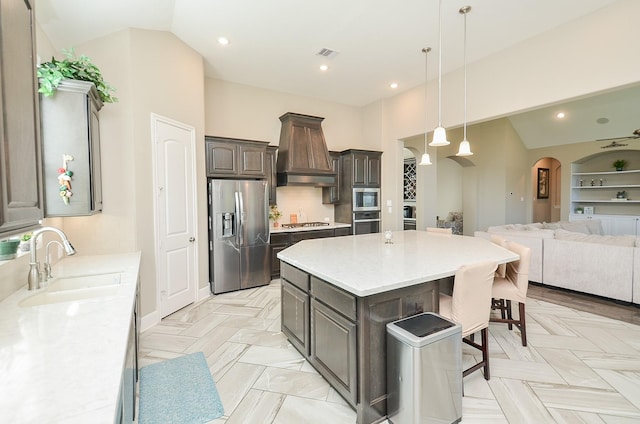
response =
{"points": [[303, 157]]}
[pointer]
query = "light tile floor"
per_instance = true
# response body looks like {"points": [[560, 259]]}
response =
{"points": [[577, 368]]}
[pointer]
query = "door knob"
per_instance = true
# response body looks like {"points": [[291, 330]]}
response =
{"points": [[192, 239]]}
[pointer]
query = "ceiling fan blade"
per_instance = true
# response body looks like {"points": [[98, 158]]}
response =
{"points": [[629, 137]]}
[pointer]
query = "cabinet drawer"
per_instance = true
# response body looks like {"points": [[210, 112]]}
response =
{"points": [[295, 276], [278, 238], [333, 297], [307, 235], [345, 231]]}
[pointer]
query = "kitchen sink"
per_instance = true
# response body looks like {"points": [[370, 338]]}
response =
{"points": [[49, 297], [86, 281], [77, 287]]}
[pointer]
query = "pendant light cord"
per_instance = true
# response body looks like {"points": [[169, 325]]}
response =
{"points": [[464, 136], [440, 64], [426, 51]]}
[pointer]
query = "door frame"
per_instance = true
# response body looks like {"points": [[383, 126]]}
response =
{"points": [[155, 118]]}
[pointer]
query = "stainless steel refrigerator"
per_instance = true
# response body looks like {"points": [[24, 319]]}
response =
{"points": [[238, 235]]}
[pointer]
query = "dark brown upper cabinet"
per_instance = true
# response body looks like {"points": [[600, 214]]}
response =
{"points": [[20, 170]]}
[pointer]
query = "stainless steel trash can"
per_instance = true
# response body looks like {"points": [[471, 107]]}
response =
{"points": [[424, 370]]}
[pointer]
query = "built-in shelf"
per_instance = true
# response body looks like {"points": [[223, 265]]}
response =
{"points": [[594, 183]]}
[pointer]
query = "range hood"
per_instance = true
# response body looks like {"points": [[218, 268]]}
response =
{"points": [[303, 157]]}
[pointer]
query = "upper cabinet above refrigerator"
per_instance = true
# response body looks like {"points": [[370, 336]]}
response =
{"points": [[235, 158], [72, 171]]}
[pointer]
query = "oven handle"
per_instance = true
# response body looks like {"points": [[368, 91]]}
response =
{"points": [[366, 220]]}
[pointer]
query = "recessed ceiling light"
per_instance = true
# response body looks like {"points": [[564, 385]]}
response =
{"points": [[223, 40], [393, 85], [560, 115], [323, 67]]}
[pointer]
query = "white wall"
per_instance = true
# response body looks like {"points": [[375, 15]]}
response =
{"points": [[136, 63]]}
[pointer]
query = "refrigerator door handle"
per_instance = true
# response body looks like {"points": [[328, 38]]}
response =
{"points": [[239, 217]]}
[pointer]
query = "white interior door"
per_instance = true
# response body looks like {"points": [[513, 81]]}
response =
{"points": [[176, 267]]}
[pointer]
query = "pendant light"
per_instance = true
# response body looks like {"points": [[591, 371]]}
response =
{"points": [[425, 156], [465, 147], [439, 134]]}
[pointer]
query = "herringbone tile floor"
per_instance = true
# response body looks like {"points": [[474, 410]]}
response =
{"points": [[577, 368]]}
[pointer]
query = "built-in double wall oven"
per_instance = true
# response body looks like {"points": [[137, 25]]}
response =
{"points": [[366, 210]]}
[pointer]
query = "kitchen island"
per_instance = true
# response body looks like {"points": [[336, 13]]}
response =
{"points": [[338, 294]]}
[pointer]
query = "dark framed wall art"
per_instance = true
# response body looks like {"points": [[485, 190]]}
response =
{"points": [[543, 183]]}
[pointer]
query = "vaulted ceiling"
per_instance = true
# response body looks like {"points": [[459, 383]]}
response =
{"points": [[274, 44]]}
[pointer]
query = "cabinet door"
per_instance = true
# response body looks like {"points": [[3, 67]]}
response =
{"points": [[252, 160], [95, 159], [270, 171], [333, 349], [20, 194], [360, 163], [331, 195], [275, 262], [295, 316], [373, 170], [221, 159]]}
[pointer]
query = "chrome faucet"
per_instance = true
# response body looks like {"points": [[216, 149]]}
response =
{"points": [[47, 260], [34, 267]]}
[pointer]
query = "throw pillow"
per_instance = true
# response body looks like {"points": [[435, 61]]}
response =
{"points": [[576, 227]]}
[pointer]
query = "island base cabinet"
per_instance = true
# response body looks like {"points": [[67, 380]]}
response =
{"points": [[374, 313], [295, 316], [333, 349]]}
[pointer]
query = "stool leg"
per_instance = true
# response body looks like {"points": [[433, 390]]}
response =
{"points": [[509, 315], [523, 323], [485, 351]]}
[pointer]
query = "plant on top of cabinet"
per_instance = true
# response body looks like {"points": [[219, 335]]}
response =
{"points": [[50, 74]]}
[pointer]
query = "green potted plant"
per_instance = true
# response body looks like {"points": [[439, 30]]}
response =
{"points": [[274, 215], [25, 242], [50, 74], [579, 210], [619, 164]]}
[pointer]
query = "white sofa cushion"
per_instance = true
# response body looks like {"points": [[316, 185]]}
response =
{"points": [[576, 227], [627, 240]]}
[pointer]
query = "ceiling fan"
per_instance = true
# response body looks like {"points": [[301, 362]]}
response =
{"points": [[614, 140]]}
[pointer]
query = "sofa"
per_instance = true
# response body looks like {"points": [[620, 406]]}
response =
{"points": [[578, 256]]}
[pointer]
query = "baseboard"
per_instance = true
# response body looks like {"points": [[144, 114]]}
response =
{"points": [[203, 293], [154, 318], [149, 320]]}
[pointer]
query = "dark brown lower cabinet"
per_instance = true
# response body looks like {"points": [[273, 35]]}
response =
{"points": [[333, 349], [295, 316], [345, 335], [280, 241]]}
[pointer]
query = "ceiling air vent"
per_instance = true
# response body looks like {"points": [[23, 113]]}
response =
{"points": [[327, 53]]}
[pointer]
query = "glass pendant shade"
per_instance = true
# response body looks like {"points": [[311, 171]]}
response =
{"points": [[439, 137], [464, 149], [426, 160]]}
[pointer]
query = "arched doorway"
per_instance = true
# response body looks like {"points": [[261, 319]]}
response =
{"points": [[546, 181]]}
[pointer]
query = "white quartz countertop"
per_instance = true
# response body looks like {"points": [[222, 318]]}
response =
{"points": [[365, 265], [298, 229], [63, 362]]}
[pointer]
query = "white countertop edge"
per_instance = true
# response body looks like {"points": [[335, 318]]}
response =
{"points": [[353, 263], [361, 292]]}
